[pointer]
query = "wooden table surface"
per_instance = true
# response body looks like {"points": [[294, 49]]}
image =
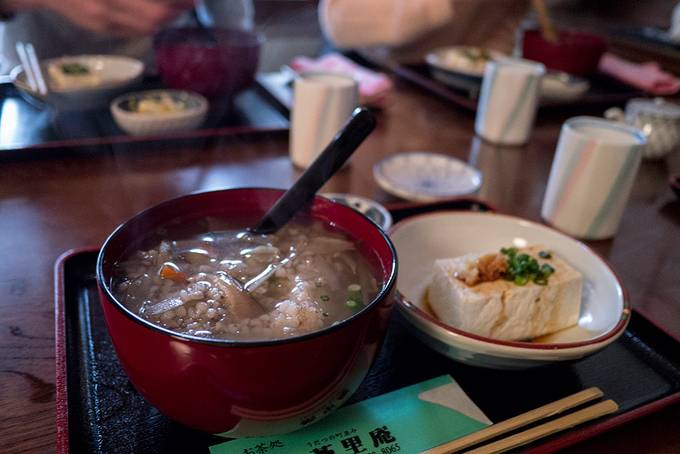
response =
{"points": [[52, 204]]}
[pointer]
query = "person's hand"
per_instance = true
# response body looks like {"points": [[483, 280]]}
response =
{"points": [[114, 17]]}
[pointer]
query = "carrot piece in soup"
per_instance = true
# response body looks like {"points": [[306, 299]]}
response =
{"points": [[172, 272]]}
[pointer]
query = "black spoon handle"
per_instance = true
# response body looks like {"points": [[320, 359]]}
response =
{"points": [[326, 164]]}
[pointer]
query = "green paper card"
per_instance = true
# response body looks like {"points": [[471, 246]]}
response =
{"points": [[407, 421]]}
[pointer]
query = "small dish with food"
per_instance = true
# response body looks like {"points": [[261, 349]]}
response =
{"points": [[83, 82], [369, 208], [159, 111], [559, 86], [207, 357], [502, 292], [461, 67]]}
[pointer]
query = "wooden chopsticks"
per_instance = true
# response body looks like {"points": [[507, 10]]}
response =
{"points": [[534, 433], [547, 27], [31, 65]]}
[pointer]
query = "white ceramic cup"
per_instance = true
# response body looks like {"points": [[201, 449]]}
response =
{"points": [[591, 177], [508, 99], [322, 103]]}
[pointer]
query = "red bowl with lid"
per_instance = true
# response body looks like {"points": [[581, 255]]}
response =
{"points": [[575, 52], [215, 62], [238, 387]]}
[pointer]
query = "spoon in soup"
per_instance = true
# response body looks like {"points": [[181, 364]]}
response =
{"points": [[346, 141]]}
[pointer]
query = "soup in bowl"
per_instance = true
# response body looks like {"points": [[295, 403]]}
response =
{"points": [[289, 351]]}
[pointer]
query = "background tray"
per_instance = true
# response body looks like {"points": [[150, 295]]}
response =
{"points": [[29, 126], [604, 91], [98, 410]]}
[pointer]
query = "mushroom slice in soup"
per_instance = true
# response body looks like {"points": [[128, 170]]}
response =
{"points": [[196, 256], [241, 304], [164, 306]]}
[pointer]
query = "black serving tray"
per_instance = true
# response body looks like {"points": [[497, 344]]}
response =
{"points": [[98, 410], [604, 91], [29, 126]]}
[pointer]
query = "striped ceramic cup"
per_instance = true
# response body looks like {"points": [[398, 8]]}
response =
{"points": [[591, 177], [508, 100], [322, 104]]}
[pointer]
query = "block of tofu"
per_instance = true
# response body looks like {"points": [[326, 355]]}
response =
{"points": [[501, 309], [63, 80]]}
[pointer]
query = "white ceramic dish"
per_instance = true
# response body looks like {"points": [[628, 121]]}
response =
{"points": [[426, 177], [559, 86], [447, 65], [605, 309], [138, 123], [451, 66], [456, 59], [369, 208], [116, 74]]}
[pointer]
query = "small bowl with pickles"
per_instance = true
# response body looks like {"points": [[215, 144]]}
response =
{"points": [[158, 112]]}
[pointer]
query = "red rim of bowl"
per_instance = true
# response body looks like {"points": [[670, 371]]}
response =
{"points": [[615, 331], [384, 292]]}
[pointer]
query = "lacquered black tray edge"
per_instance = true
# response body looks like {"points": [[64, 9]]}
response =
{"points": [[203, 133]]}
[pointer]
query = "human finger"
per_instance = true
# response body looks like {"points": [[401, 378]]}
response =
{"points": [[141, 17]]}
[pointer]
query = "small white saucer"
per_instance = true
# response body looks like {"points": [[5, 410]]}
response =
{"points": [[426, 177], [369, 208]]}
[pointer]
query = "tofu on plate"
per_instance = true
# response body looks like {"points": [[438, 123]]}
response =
{"points": [[512, 295]]}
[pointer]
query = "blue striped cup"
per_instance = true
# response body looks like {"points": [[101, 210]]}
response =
{"points": [[508, 100], [591, 177]]}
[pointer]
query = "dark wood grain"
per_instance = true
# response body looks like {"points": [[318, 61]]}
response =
{"points": [[61, 202]]}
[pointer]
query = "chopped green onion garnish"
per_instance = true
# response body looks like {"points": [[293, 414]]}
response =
{"points": [[509, 250], [354, 295], [521, 280], [523, 268], [545, 255]]}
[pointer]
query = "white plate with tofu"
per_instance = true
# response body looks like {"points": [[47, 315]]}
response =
{"points": [[83, 82], [503, 292]]}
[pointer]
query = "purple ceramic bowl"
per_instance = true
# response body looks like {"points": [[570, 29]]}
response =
{"points": [[216, 62]]}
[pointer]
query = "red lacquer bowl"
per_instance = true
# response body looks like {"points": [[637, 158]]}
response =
{"points": [[575, 52], [247, 388], [218, 65]]}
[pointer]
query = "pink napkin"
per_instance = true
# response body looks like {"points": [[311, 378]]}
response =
{"points": [[645, 76], [374, 87]]}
